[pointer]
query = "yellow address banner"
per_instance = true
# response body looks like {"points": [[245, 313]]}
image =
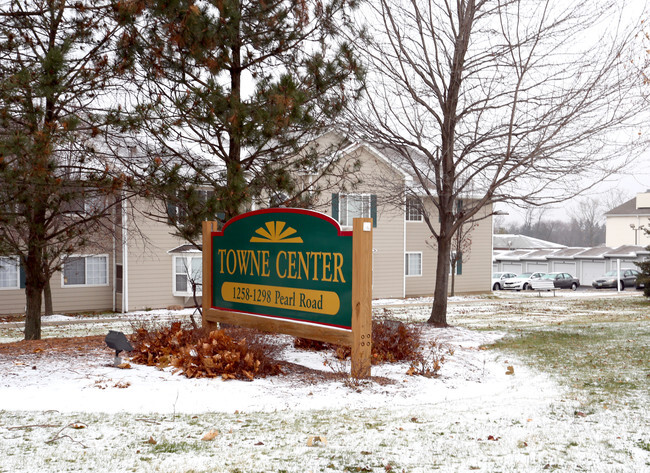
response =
{"points": [[307, 300]]}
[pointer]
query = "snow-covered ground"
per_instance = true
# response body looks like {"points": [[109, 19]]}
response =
{"points": [[79, 413]]}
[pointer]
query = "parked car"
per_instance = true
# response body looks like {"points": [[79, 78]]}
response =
{"points": [[522, 281], [499, 278], [624, 278], [562, 280]]}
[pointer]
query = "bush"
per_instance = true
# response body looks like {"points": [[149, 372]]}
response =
{"points": [[392, 342]]}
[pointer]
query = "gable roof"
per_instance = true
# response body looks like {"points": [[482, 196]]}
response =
{"points": [[628, 208], [513, 242], [600, 252]]}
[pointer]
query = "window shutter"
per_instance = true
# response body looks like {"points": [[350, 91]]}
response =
{"points": [[459, 265], [171, 211], [23, 277], [373, 209], [335, 207]]}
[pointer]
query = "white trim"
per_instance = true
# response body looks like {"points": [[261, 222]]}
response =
{"points": [[85, 258], [379, 155], [125, 259], [17, 286], [188, 265], [347, 195], [406, 254], [403, 259], [406, 211], [114, 258]]}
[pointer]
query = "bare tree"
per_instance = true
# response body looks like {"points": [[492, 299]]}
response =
{"points": [[497, 101]]}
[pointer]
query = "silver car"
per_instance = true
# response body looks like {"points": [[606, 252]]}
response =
{"points": [[499, 278], [624, 278], [522, 281]]}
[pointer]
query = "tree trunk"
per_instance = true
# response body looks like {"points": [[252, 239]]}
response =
{"points": [[439, 308], [452, 292], [34, 286], [235, 182], [35, 275], [47, 296], [33, 312]]}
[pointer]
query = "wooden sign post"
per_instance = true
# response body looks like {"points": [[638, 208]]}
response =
{"points": [[292, 271]]}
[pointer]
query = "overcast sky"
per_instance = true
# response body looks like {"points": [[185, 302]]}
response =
{"points": [[634, 179]]}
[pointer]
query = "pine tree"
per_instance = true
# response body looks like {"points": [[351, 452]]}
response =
{"points": [[59, 69], [230, 89]]}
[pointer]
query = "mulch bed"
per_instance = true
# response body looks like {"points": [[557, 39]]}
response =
{"points": [[92, 345], [71, 345]]}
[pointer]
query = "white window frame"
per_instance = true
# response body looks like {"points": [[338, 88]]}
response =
{"points": [[86, 284], [188, 264], [452, 254], [17, 264], [407, 266], [415, 204], [343, 204]]}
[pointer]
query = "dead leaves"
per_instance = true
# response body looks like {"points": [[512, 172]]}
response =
{"points": [[211, 435], [316, 441], [510, 370], [196, 355]]}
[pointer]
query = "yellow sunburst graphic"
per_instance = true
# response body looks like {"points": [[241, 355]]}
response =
{"points": [[275, 233]]}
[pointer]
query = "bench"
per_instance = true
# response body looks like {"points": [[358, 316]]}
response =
{"points": [[543, 285]]}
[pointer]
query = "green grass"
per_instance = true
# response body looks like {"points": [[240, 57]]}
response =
{"points": [[602, 363], [167, 446]]}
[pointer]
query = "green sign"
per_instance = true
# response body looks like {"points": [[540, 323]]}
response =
{"points": [[291, 264]]}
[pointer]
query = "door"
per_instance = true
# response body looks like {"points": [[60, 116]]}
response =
{"points": [[537, 267], [509, 267], [565, 267], [591, 270]]}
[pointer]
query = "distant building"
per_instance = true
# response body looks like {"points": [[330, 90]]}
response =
{"points": [[521, 242], [138, 272], [626, 223], [585, 263]]}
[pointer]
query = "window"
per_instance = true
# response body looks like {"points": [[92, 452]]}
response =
{"points": [[87, 204], [85, 271], [354, 206], [459, 262], [186, 270], [347, 207], [9, 273], [413, 264], [95, 204], [413, 209], [177, 209]]}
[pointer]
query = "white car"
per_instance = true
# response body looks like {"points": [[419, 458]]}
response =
{"points": [[522, 281], [499, 278]]}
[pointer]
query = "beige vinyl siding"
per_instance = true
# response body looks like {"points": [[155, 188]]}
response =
{"points": [[82, 298], [65, 299], [388, 235], [477, 269], [417, 237], [619, 231], [388, 254], [12, 301], [150, 270]]}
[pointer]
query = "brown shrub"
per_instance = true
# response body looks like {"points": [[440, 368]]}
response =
{"points": [[197, 354], [311, 345], [392, 341]]}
